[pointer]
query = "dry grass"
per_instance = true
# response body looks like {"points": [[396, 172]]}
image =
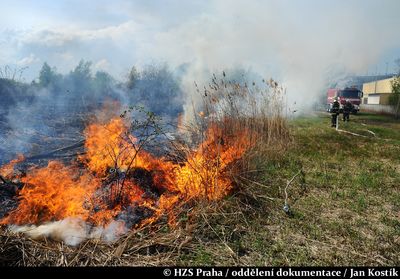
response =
{"points": [[138, 248], [236, 107], [201, 224], [158, 245]]}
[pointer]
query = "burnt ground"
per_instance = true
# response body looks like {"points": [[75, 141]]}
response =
{"points": [[50, 131]]}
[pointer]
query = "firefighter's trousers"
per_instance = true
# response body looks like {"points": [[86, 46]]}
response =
{"points": [[334, 118], [346, 116]]}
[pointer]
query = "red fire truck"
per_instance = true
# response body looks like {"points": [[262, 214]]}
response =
{"points": [[354, 95]]}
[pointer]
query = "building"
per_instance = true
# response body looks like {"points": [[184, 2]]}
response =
{"points": [[377, 92], [376, 95], [356, 81]]}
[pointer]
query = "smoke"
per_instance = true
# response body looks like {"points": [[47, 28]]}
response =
{"points": [[301, 44], [53, 112], [73, 231]]}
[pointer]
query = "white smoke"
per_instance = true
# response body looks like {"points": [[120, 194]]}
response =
{"points": [[299, 43], [73, 231], [296, 42]]}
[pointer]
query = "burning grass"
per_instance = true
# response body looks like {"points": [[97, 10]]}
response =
{"points": [[118, 185], [99, 192]]}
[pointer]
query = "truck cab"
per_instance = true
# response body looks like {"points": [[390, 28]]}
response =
{"points": [[352, 94]]}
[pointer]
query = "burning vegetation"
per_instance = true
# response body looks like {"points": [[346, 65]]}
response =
{"points": [[120, 182]]}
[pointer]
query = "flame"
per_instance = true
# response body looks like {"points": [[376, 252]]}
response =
{"points": [[110, 147], [205, 172], [108, 185], [52, 193], [7, 170], [105, 146]]}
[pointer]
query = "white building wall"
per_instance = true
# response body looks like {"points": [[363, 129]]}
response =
{"points": [[373, 100]]}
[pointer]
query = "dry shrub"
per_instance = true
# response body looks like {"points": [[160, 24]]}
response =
{"points": [[241, 116]]}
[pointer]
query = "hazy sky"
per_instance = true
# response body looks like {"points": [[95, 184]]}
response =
{"points": [[296, 41]]}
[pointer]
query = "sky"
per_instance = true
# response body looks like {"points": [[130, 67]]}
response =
{"points": [[298, 42]]}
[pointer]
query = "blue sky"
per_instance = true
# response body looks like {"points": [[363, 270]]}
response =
{"points": [[295, 41]]}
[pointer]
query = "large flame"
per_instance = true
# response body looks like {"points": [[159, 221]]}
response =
{"points": [[53, 193], [108, 184]]}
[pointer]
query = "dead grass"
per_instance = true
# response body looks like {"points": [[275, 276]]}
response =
{"points": [[138, 248]]}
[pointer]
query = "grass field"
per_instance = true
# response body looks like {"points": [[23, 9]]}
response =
{"points": [[345, 209]]}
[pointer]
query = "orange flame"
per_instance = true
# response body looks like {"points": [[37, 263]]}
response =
{"points": [[205, 172], [7, 170], [108, 185], [106, 146], [52, 193]]}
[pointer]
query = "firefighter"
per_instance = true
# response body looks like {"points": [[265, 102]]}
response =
{"points": [[347, 108], [335, 109]]}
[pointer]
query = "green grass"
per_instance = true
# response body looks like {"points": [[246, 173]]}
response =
{"points": [[346, 211]]}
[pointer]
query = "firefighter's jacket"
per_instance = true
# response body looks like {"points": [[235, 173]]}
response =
{"points": [[335, 107], [348, 107]]}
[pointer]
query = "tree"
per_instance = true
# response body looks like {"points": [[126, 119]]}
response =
{"points": [[133, 77], [103, 82], [82, 71], [159, 91], [47, 75], [80, 79], [394, 99]]}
